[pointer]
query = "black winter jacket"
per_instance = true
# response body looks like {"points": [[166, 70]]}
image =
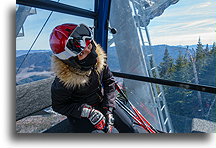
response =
{"points": [[99, 89]]}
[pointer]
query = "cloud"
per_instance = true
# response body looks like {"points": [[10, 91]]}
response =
{"points": [[188, 9], [202, 5], [185, 39], [200, 23], [192, 26], [184, 23]]}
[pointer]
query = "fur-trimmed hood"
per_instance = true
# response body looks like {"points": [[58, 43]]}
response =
{"points": [[72, 77]]}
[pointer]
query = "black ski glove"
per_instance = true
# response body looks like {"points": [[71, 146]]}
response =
{"points": [[109, 120], [95, 116]]}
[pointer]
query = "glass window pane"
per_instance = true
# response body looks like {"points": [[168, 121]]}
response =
{"points": [[38, 65], [141, 47], [84, 4], [186, 106], [183, 106], [183, 39]]}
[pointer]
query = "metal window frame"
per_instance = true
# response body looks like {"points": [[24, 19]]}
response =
{"points": [[100, 15], [58, 7], [196, 87], [102, 9]]}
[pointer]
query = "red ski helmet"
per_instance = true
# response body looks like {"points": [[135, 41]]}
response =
{"points": [[69, 40]]}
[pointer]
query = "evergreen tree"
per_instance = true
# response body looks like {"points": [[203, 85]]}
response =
{"points": [[178, 100], [185, 102], [207, 77], [152, 66], [213, 49], [167, 66], [182, 68], [201, 60], [207, 50], [194, 76], [207, 55], [200, 53], [207, 68]]}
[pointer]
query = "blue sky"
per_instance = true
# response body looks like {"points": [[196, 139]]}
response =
{"points": [[34, 23], [180, 24], [184, 22]]}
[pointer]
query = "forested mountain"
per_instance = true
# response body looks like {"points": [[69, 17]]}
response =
{"points": [[196, 66], [23, 52]]}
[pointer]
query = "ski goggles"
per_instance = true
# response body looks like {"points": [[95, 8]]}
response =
{"points": [[79, 39]]}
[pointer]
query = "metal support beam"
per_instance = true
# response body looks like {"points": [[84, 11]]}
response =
{"points": [[21, 15], [102, 8], [58, 7]]}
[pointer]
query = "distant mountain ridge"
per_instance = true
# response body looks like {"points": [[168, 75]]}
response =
{"points": [[36, 66], [23, 52], [38, 63], [157, 50]]}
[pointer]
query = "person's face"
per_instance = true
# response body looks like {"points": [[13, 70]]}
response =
{"points": [[85, 52]]}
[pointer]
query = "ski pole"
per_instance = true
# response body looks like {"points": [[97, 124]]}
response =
{"points": [[139, 115], [130, 113], [150, 128]]}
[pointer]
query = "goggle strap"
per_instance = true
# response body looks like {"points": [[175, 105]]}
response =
{"points": [[64, 55]]}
